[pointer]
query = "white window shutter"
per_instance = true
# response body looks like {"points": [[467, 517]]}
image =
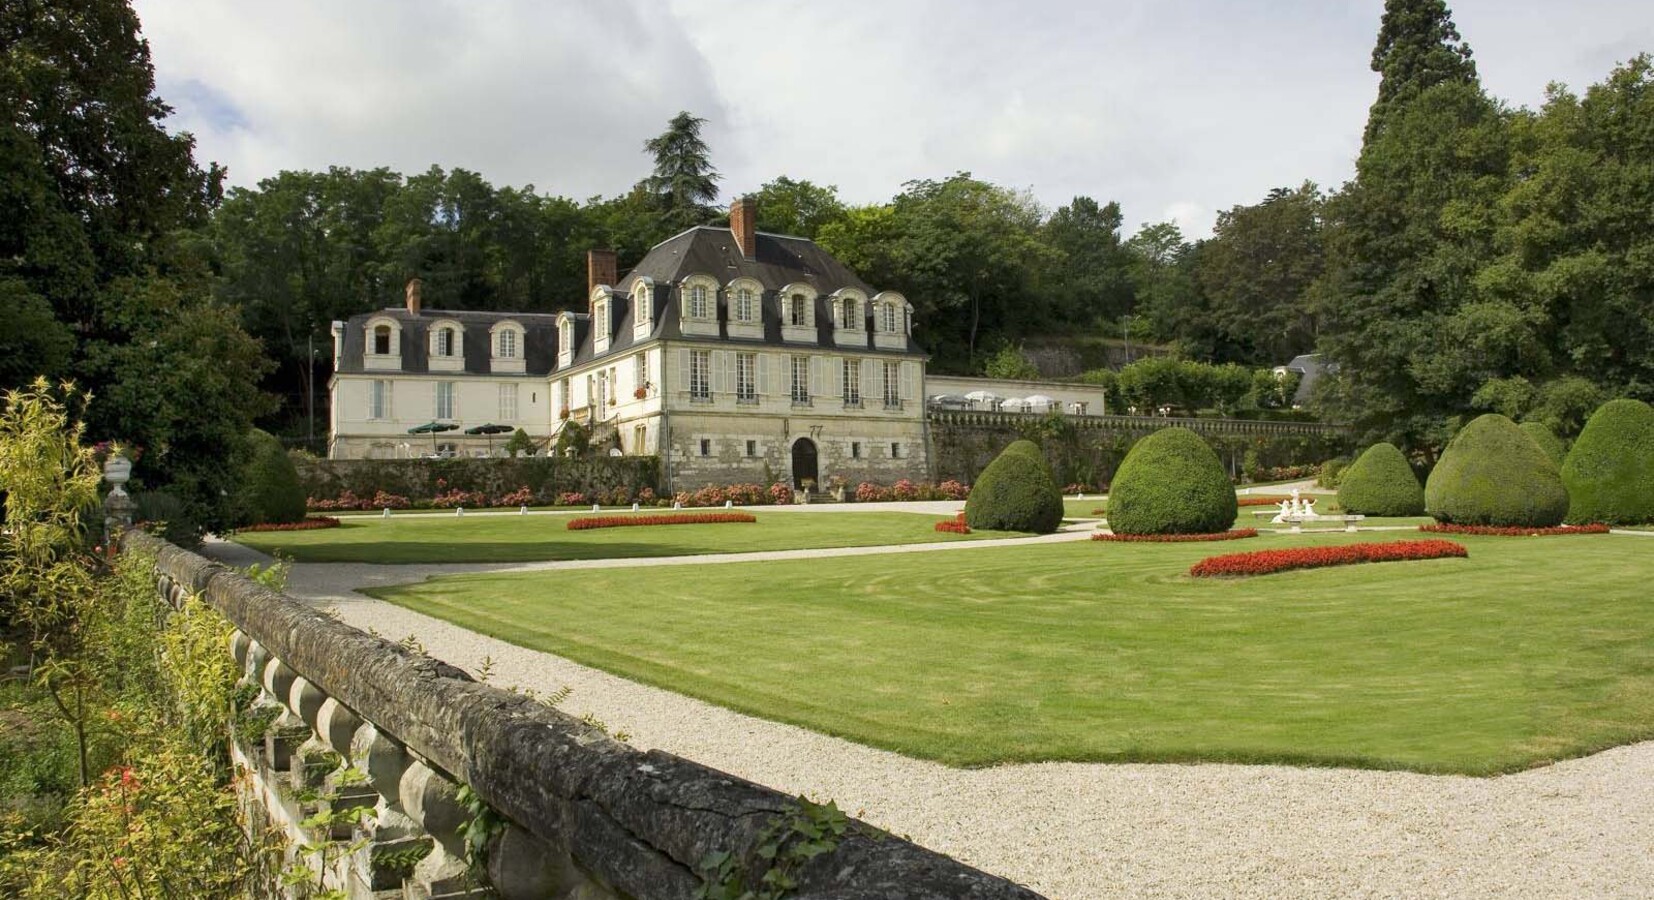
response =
{"points": [[910, 381], [720, 372], [683, 369], [761, 374], [871, 387]]}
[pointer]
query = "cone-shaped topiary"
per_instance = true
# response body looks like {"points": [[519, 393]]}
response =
{"points": [[1547, 441], [270, 490], [1610, 470], [1016, 492], [1381, 483], [1171, 483], [1493, 474]]}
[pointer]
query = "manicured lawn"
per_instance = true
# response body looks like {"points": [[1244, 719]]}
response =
{"points": [[1084, 509], [1534, 649], [509, 538]]}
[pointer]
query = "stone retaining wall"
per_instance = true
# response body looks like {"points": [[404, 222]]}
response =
{"points": [[584, 816], [1087, 449]]}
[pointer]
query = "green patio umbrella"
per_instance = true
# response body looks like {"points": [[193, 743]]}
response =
{"points": [[432, 429], [490, 431]]}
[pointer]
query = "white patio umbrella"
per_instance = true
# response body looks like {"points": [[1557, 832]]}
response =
{"points": [[987, 399], [1038, 402], [1014, 404]]}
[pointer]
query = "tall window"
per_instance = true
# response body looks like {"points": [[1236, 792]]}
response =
{"points": [[847, 314], [745, 305], [699, 307], [700, 374], [508, 402], [801, 379], [508, 344], [887, 317], [852, 382], [614, 384], [597, 395], [445, 342], [892, 384], [640, 439], [603, 319], [445, 400], [640, 371], [379, 400], [746, 376], [798, 310], [382, 340]]}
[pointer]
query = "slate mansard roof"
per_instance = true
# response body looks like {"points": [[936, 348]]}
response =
{"points": [[779, 261]]}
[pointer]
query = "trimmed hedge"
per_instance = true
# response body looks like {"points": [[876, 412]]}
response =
{"points": [[1610, 471], [1016, 492], [1381, 483], [1171, 483], [270, 491], [1547, 441], [1492, 473]]}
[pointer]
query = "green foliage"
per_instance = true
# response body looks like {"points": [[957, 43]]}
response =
{"points": [[1182, 384], [1381, 483], [1016, 492], [797, 207], [1332, 472], [684, 182], [1493, 474], [519, 444], [1011, 363], [789, 841], [1087, 279], [1171, 483], [269, 489], [1418, 48], [1547, 441], [1257, 271], [162, 513], [573, 439], [1610, 470]]}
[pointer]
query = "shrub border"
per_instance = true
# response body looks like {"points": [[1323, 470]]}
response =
{"points": [[1266, 562]]}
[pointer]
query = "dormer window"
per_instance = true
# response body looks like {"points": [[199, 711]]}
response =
{"points": [[746, 309], [383, 349], [699, 302], [890, 321], [746, 304], [445, 342], [887, 317], [698, 305], [508, 338], [798, 313], [798, 310], [643, 300], [847, 313]]}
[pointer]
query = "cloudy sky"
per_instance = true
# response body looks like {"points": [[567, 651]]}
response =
{"points": [[1176, 108]]}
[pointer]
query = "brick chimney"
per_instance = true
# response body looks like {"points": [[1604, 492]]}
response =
{"points": [[413, 298], [601, 268], [743, 224]]}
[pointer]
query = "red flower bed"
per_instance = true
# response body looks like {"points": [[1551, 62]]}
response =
{"points": [[1260, 501], [586, 522], [1100, 511], [1499, 531], [1264, 562], [955, 525], [1234, 535], [310, 524]]}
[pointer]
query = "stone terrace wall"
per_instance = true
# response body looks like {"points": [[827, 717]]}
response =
{"points": [[586, 816], [418, 478], [1087, 449]]}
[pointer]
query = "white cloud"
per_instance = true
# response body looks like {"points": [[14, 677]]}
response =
{"points": [[1176, 108]]}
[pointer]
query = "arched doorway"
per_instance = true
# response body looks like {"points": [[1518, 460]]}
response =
{"points": [[804, 462]]}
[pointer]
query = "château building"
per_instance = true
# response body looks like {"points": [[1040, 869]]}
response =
{"points": [[733, 354]]}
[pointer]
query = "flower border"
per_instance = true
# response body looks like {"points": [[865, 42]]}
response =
{"points": [[1266, 562]]}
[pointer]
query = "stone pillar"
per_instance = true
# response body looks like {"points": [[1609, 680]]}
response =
{"points": [[118, 506]]}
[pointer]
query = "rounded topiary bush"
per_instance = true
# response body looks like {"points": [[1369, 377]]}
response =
{"points": [[1016, 492], [1171, 483], [1610, 471], [1381, 483], [270, 491], [1547, 441], [1493, 474]]}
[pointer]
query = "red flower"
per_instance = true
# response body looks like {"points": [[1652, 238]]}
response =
{"points": [[587, 522], [310, 524], [1502, 531], [1265, 562], [1235, 535], [956, 525]]}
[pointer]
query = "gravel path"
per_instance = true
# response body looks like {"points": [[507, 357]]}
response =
{"points": [[1583, 828]]}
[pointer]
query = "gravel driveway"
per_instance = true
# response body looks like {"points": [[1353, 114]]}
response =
{"points": [[1583, 828]]}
